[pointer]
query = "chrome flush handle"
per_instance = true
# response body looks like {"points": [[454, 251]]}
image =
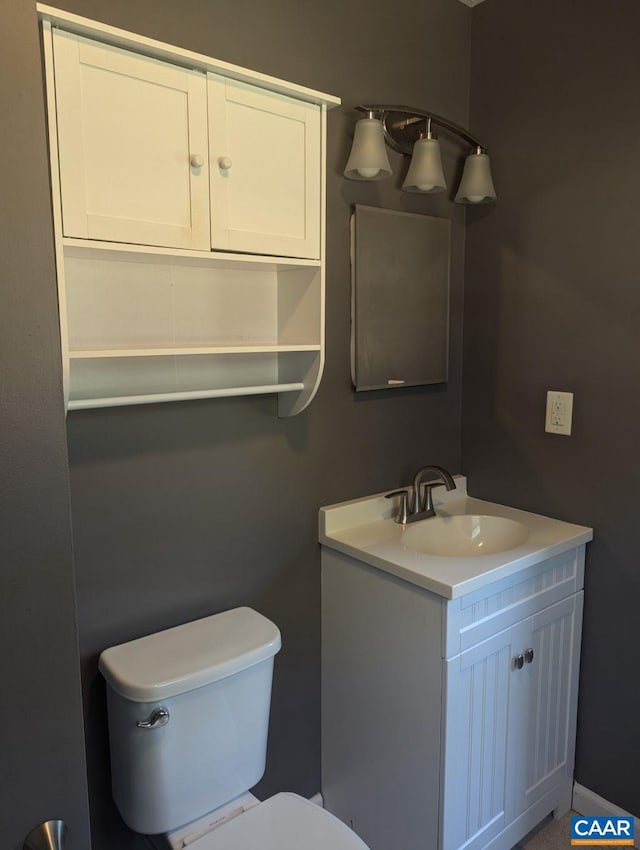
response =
{"points": [[49, 835], [158, 718]]}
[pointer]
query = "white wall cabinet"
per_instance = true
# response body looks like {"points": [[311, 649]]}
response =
{"points": [[189, 211], [129, 127], [449, 724], [265, 171]]}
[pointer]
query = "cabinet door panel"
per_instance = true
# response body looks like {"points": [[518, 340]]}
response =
{"points": [[542, 737], [268, 200], [127, 127], [475, 743]]}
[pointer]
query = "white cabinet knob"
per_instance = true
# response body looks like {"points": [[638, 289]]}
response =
{"points": [[196, 160], [225, 162]]}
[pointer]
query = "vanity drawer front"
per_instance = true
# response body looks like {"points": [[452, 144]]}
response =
{"points": [[476, 616]]}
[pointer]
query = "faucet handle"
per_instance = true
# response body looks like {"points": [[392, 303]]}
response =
{"points": [[403, 510], [426, 498]]}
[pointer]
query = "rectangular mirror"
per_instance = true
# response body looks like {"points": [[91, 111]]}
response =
{"points": [[399, 298]]}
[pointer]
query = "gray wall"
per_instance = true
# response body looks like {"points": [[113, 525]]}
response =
{"points": [[552, 301], [180, 511], [42, 765], [183, 510]]}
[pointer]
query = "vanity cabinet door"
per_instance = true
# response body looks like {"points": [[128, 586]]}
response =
{"points": [[477, 686], [265, 160], [543, 703], [132, 136], [510, 723]]}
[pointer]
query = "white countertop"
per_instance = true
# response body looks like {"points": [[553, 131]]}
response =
{"points": [[365, 529]]}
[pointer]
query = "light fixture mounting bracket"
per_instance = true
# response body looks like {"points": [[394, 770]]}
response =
{"points": [[402, 126]]}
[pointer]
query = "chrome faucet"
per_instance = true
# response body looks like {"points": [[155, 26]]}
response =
{"points": [[421, 505]]}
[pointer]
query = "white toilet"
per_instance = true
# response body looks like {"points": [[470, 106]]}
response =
{"points": [[188, 718]]}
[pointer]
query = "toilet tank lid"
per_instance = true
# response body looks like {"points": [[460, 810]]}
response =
{"points": [[186, 657]]}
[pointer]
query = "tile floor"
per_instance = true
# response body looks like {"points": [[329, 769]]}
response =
{"points": [[551, 834]]}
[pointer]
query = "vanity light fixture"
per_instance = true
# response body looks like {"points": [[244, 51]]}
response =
{"points": [[408, 131], [368, 160]]}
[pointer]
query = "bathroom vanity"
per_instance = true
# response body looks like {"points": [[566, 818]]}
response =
{"points": [[450, 659]]}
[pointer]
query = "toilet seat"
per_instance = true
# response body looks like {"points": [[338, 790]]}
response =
{"points": [[283, 822]]}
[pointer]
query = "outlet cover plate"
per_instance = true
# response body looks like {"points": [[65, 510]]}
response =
{"points": [[559, 412]]}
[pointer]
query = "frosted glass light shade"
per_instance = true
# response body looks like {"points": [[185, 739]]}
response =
{"points": [[425, 170], [368, 159], [476, 186]]}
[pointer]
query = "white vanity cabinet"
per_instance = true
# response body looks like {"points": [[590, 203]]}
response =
{"points": [[448, 722], [508, 733], [189, 207]]}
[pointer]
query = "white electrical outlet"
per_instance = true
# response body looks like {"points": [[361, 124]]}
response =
{"points": [[559, 412]]}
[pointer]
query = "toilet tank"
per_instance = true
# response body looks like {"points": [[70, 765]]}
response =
{"points": [[213, 679]]}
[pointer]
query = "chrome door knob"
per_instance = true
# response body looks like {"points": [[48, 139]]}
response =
{"points": [[528, 655], [518, 662]]}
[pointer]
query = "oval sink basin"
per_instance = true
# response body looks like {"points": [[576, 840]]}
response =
{"points": [[464, 536]]}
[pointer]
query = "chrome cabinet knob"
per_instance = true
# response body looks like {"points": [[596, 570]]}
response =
{"points": [[196, 160], [158, 718], [518, 662], [528, 655]]}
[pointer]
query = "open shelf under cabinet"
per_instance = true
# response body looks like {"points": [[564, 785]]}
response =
{"points": [[167, 325]]}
